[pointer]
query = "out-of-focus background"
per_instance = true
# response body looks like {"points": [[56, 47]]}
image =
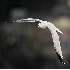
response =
{"points": [[26, 46]]}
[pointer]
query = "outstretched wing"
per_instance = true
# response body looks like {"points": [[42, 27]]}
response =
{"points": [[55, 37]]}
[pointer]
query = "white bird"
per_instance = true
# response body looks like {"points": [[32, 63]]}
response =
{"points": [[53, 29]]}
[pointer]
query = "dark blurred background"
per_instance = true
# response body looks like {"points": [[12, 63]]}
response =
{"points": [[24, 46]]}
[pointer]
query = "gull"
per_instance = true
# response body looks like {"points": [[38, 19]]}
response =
{"points": [[53, 29]]}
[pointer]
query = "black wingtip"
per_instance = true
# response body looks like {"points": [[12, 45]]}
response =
{"points": [[9, 22], [59, 57]]}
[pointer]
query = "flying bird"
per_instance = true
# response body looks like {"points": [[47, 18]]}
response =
{"points": [[53, 29]]}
